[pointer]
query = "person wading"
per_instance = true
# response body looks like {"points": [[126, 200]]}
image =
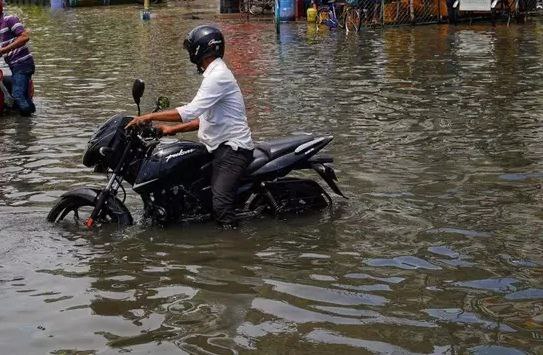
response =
{"points": [[13, 46], [218, 113]]}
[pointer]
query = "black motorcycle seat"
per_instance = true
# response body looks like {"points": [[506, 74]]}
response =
{"points": [[266, 151], [282, 146], [259, 159]]}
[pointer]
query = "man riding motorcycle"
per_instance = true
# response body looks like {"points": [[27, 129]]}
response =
{"points": [[218, 113]]}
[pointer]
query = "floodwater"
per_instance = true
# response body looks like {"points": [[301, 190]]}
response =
{"points": [[438, 145]]}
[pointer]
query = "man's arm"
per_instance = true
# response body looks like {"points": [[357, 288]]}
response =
{"points": [[19, 41], [208, 94], [165, 116], [179, 128]]}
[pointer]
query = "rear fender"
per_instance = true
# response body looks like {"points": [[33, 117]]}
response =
{"points": [[329, 175]]}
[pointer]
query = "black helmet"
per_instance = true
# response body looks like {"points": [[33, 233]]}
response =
{"points": [[204, 41]]}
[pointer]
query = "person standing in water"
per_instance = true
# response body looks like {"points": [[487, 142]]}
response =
{"points": [[14, 48]]}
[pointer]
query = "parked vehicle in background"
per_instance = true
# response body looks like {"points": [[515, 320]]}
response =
{"points": [[327, 15], [256, 7], [6, 100], [351, 18]]}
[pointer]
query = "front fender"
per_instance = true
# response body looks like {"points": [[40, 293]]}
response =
{"points": [[89, 196], [86, 193]]}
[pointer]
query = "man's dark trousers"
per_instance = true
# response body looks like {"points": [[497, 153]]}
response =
{"points": [[228, 168]]}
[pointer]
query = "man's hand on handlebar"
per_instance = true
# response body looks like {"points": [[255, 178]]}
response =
{"points": [[165, 116], [136, 121]]}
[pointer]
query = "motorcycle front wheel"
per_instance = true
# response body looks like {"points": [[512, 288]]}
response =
{"points": [[78, 209]]}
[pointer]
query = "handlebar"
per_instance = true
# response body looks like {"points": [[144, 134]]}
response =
{"points": [[148, 130], [144, 132]]}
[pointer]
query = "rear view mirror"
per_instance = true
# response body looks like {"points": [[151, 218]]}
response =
{"points": [[137, 90]]}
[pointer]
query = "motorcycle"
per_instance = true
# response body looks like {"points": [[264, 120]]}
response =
{"points": [[173, 177], [6, 99]]}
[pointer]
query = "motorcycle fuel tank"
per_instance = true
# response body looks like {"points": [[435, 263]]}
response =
{"points": [[172, 163]]}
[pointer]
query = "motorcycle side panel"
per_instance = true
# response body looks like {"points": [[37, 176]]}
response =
{"points": [[172, 163]]}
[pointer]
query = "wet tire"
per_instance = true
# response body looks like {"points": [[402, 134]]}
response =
{"points": [[352, 20], [257, 204], [296, 195], [78, 209], [341, 18]]}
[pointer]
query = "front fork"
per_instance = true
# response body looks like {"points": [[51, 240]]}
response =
{"points": [[109, 189], [104, 194]]}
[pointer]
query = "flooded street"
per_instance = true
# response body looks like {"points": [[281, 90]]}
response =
{"points": [[438, 145]]}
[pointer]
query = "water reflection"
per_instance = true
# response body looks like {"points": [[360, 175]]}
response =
{"points": [[438, 144]]}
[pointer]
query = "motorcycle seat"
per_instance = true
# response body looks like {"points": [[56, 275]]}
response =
{"points": [[283, 146], [260, 158], [266, 151]]}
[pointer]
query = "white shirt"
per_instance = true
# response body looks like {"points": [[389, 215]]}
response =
{"points": [[220, 107]]}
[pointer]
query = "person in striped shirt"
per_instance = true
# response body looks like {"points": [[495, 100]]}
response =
{"points": [[13, 47]]}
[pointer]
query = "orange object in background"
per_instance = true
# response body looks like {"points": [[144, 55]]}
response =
{"points": [[399, 10], [300, 9]]}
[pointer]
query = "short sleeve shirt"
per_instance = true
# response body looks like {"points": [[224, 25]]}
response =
{"points": [[10, 28]]}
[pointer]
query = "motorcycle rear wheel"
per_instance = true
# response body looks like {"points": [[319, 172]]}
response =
{"points": [[288, 195], [80, 209]]}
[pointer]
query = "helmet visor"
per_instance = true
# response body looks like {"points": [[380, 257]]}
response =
{"points": [[186, 44]]}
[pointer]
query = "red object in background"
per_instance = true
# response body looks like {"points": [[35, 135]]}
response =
{"points": [[300, 11], [2, 98], [31, 89]]}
